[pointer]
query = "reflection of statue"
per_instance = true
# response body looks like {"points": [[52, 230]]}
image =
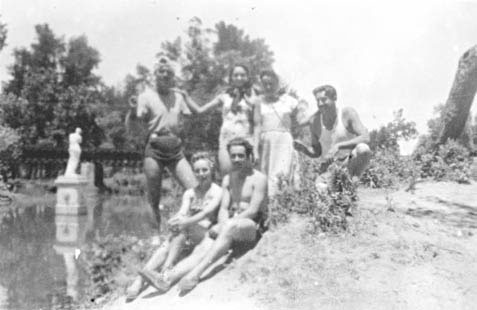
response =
{"points": [[74, 151]]}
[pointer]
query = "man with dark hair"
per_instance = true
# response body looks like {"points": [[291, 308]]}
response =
{"points": [[336, 134], [241, 219]]}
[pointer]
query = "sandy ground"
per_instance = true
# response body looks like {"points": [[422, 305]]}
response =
{"points": [[403, 251]]}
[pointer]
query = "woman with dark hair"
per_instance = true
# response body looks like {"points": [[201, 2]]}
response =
{"points": [[237, 111], [273, 116]]}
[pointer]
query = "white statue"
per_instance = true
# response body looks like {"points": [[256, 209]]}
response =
{"points": [[74, 151]]}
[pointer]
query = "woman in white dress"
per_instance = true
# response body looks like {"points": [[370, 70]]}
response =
{"points": [[273, 116]]}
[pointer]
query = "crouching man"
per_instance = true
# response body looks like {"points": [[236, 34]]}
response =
{"points": [[337, 135]]}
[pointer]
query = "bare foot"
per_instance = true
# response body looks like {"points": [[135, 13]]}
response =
{"points": [[133, 291]]}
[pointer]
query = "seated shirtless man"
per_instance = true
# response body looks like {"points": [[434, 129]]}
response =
{"points": [[337, 134], [242, 216]]}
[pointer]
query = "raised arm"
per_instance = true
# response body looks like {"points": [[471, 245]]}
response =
{"points": [[258, 195], [198, 108]]}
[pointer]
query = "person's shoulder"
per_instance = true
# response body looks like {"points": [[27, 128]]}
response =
{"points": [[146, 94], [259, 176], [216, 188]]}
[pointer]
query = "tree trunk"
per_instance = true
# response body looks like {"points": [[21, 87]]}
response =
{"points": [[457, 107]]}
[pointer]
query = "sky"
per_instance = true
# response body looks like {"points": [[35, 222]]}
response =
{"points": [[380, 55]]}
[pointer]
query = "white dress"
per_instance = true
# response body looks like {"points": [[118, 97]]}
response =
{"points": [[277, 155]]}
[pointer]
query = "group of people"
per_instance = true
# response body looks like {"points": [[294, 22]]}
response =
{"points": [[256, 149]]}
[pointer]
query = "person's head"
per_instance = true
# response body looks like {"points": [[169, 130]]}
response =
{"points": [[240, 153], [203, 167], [164, 73], [325, 96], [270, 82], [239, 76], [78, 130]]}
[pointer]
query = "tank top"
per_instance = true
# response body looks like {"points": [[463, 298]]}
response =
{"points": [[337, 134]]}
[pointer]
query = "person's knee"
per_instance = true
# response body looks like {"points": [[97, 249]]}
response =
{"points": [[151, 168], [363, 150]]}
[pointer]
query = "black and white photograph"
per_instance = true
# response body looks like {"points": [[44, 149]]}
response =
{"points": [[240, 154]]}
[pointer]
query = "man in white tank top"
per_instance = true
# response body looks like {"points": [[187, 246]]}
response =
{"points": [[336, 134]]}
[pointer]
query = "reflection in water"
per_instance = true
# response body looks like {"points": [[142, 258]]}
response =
{"points": [[39, 268]]}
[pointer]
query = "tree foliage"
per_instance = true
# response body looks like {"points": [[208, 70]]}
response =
{"points": [[205, 57], [3, 35], [56, 90]]}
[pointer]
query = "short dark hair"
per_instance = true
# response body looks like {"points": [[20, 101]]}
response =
{"points": [[329, 90], [269, 73], [241, 142]]}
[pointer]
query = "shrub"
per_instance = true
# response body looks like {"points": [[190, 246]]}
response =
{"points": [[327, 208], [388, 169], [447, 162]]}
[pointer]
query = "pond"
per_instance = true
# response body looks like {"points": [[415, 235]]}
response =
{"points": [[39, 250]]}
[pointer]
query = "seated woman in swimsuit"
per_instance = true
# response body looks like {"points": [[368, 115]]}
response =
{"points": [[188, 228]]}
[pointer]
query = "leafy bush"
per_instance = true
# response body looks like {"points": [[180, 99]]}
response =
{"points": [[109, 256], [326, 208], [388, 168], [447, 162]]}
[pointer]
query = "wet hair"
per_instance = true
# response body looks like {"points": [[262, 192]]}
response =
{"points": [[241, 142], [203, 155], [329, 90], [248, 84]]}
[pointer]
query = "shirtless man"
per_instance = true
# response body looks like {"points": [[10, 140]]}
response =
{"points": [[241, 218], [336, 135], [162, 107]]}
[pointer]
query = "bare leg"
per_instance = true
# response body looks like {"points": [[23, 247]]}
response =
{"points": [[156, 260], [234, 230], [153, 171], [184, 174], [360, 157], [188, 263], [175, 249]]}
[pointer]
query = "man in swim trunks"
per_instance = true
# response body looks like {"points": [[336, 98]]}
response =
{"points": [[336, 134], [162, 107], [242, 215]]}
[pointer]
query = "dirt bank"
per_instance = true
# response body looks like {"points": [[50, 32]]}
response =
{"points": [[403, 251]]}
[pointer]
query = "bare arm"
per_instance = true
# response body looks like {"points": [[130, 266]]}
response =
{"points": [[225, 203], [201, 109], [185, 205], [258, 195], [355, 126], [257, 127]]}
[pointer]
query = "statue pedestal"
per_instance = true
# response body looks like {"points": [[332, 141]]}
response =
{"points": [[70, 198]]}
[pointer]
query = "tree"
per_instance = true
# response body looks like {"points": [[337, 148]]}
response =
{"points": [[3, 35], [205, 56], [56, 90], [79, 62], [388, 136], [456, 110]]}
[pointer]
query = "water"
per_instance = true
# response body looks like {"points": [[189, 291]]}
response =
{"points": [[38, 250]]}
